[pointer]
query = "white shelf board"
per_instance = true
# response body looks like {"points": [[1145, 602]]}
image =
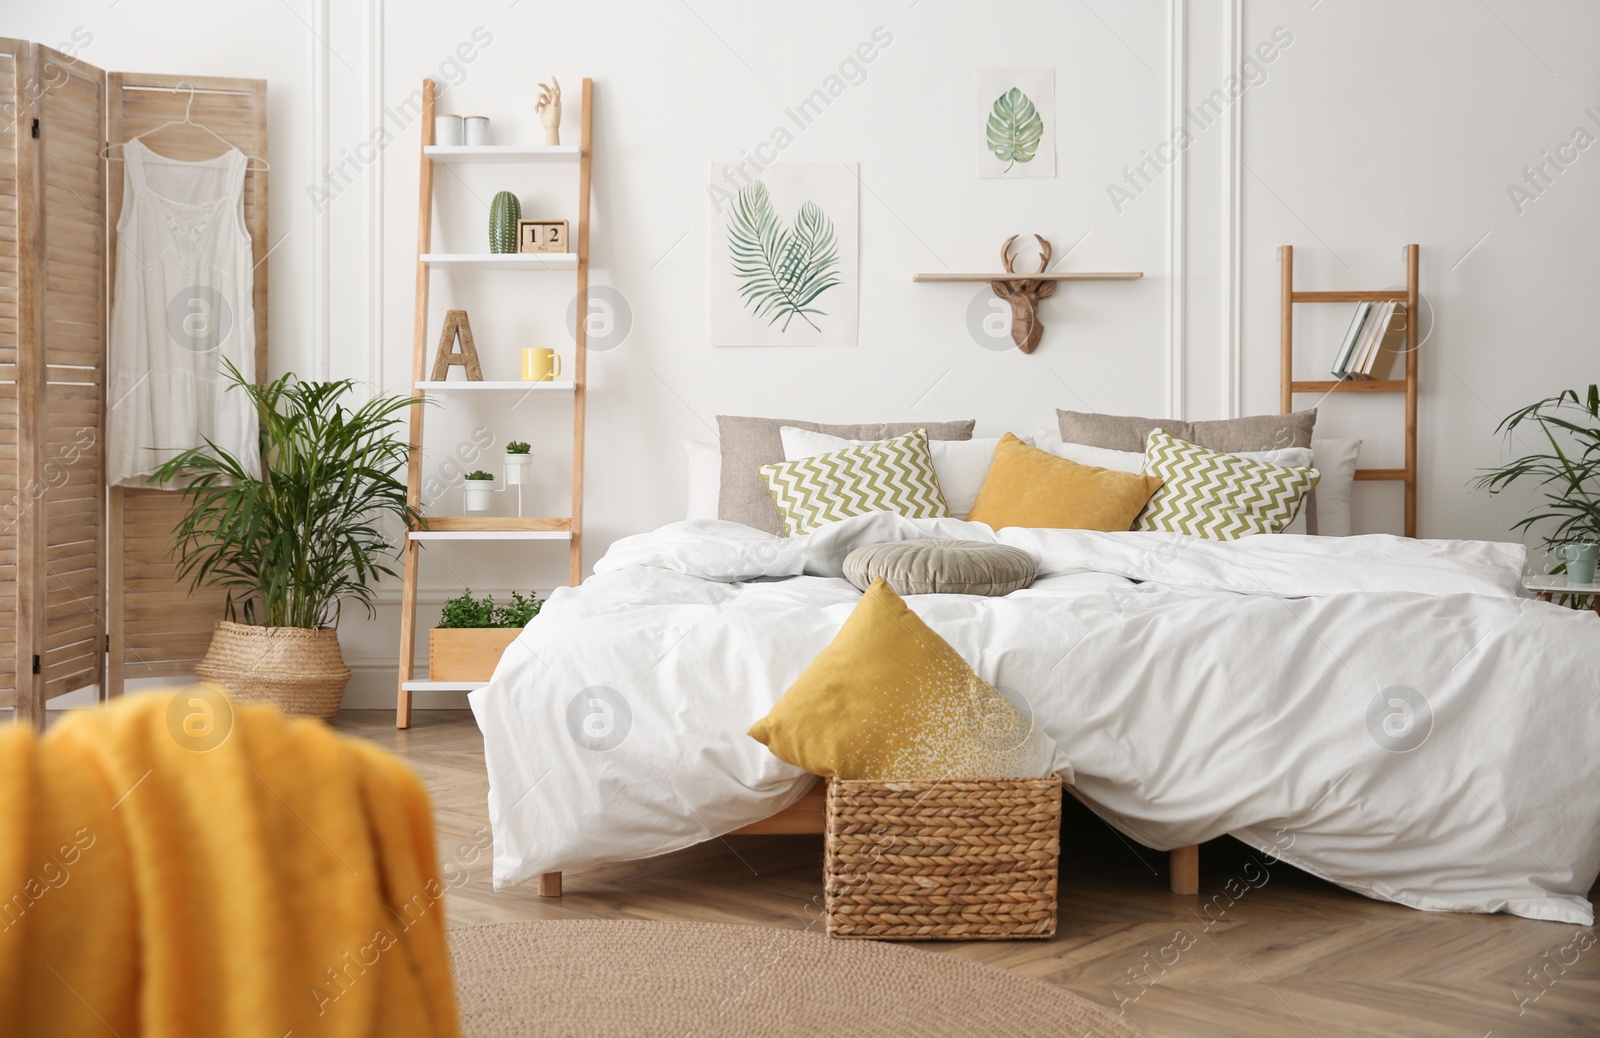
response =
{"points": [[502, 261], [1557, 583], [503, 153], [490, 535], [451, 386], [442, 686]]}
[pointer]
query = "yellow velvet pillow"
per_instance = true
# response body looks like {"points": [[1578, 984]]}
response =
{"points": [[889, 699], [1030, 487]]}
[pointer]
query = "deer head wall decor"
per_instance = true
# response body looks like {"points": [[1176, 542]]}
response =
{"points": [[1024, 294]]}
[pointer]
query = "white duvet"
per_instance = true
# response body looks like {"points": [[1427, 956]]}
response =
{"points": [[1386, 713]]}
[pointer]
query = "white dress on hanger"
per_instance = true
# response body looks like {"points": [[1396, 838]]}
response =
{"points": [[182, 303]]}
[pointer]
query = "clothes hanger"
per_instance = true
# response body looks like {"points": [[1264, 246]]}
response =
{"points": [[105, 152]]}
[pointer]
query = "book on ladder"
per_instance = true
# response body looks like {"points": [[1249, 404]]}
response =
{"points": [[439, 530], [1375, 339]]}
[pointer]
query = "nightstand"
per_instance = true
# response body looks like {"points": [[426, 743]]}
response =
{"points": [[1547, 586]]}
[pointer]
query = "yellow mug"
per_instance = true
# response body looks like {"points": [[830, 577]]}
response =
{"points": [[540, 364]]}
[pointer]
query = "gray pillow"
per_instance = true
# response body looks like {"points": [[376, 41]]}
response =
{"points": [[934, 567], [1262, 432], [749, 443]]}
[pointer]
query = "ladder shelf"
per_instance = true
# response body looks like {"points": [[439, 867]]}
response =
{"points": [[568, 529], [1290, 387]]}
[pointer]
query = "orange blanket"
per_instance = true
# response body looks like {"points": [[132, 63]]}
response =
{"points": [[174, 866]]}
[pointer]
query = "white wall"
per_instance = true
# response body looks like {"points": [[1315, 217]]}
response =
{"points": [[1373, 124]]}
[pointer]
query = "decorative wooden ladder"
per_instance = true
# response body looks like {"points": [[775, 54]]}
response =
{"points": [[569, 529], [1289, 388]]}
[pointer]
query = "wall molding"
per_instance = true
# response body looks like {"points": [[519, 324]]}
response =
{"points": [[321, 225], [1177, 214], [1232, 219], [374, 273]]}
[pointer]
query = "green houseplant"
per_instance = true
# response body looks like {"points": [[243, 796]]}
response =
{"points": [[518, 455], [478, 488], [1567, 474], [474, 632], [295, 542]]}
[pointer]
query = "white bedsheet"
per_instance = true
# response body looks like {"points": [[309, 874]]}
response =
{"points": [[1247, 687]]}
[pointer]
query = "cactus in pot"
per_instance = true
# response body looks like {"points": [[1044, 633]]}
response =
{"points": [[504, 212]]}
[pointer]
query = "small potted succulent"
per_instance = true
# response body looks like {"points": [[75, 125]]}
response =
{"points": [[518, 455], [479, 486], [472, 634]]}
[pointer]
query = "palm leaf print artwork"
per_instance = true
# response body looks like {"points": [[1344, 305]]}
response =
{"points": [[781, 271], [1015, 128]]}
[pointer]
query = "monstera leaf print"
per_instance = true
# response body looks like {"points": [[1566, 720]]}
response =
{"points": [[781, 271], [1014, 128]]}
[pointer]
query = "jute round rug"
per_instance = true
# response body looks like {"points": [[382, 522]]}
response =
{"points": [[634, 979]]}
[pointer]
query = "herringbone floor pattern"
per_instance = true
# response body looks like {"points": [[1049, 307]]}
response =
{"points": [[1288, 956]]}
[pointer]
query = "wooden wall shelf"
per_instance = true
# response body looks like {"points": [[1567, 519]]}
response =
{"points": [[1122, 275]]}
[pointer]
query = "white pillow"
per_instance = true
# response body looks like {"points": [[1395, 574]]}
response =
{"points": [[961, 465], [1133, 461], [705, 479], [1336, 460]]}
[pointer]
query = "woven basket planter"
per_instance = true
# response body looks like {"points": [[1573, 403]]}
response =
{"points": [[948, 860], [300, 671]]}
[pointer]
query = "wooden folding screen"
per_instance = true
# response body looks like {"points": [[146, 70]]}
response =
{"points": [[55, 285], [14, 66], [67, 596], [157, 627]]}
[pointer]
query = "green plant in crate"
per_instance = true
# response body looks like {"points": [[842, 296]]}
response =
{"points": [[465, 610], [504, 212], [1568, 474]]}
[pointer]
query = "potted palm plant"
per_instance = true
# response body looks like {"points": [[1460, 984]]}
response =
{"points": [[1567, 474], [473, 633], [295, 543]]}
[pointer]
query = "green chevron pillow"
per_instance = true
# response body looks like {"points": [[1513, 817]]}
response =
{"points": [[1219, 496], [893, 475]]}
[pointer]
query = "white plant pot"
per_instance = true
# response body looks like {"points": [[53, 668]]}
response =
{"points": [[517, 469], [479, 493]]}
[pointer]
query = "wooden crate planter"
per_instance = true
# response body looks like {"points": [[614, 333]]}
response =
{"points": [[944, 860], [467, 653]]}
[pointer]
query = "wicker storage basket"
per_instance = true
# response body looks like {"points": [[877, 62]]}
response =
{"points": [[947, 860], [298, 670]]}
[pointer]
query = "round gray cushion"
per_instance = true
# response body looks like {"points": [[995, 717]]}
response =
{"points": [[932, 567]]}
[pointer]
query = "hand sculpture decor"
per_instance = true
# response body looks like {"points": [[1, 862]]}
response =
{"points": [[549, 109]]}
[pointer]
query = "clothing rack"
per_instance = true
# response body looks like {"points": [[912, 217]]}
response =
{"points": [[1290, 387]]}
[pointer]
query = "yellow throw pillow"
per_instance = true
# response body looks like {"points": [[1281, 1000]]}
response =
{"points": [[889, 699], [1030, 487]]}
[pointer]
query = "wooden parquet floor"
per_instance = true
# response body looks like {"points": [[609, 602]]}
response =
{"points": [[1288, 955]]}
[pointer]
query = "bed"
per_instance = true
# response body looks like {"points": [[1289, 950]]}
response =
{"points": [[1392, 715]]}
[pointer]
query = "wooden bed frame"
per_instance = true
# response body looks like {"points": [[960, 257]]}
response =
{"points": [[805, 818]]}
